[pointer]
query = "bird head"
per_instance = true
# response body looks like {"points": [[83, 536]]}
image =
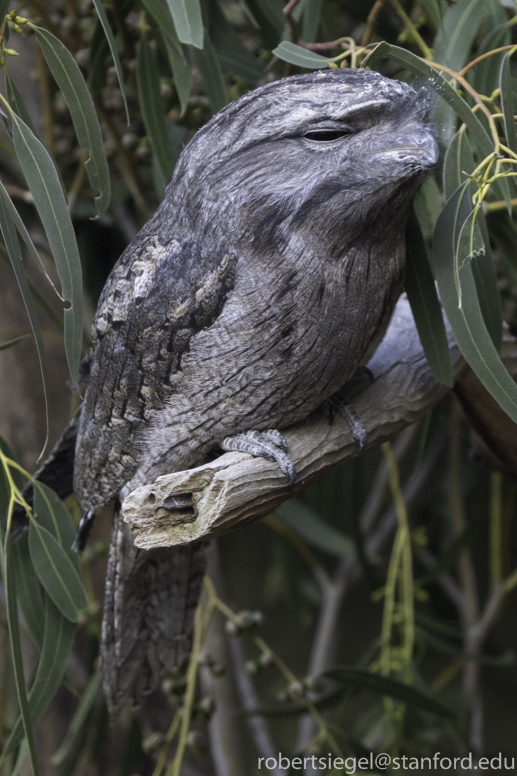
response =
{"points": [[321, 158]]}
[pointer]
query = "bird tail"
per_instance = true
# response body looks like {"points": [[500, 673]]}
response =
{"points": [[149, 605]]}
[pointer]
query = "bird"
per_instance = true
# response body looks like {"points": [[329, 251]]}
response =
{"points": [[247, 301]]}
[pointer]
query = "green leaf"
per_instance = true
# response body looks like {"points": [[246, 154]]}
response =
{"points": [[151, 102], [8, 228], [505, 84], [181, 72], [22, 230], [442, 87], [79, 718], [233, 55], [459, 163], [13, 342], [318, 533], [456, 35], [57, 642], [97, 70], [52, 514], [267, 17], [213, 79], [428, 204], [159, 10], [386, 686], [16, 102], [301, 57], [435, 11], [186, 15], [311, 20], [43, 182], [16, 654], [56, 572], [68, 77], [485, 75], [425, 305], [28, 589], [467, 324], [101, 13]]}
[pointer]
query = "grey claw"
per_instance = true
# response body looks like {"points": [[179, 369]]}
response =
{"points": [[264, 444]]}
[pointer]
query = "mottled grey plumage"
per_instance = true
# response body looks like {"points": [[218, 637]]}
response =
{"points": [[247, 300]]}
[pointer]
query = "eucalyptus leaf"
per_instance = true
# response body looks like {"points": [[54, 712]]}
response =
{"points": [[28, 589], [52, 514], [101, 13], [233, 55], [301, 57], [181, 72], [16, 102], [507, 103], [11, 343], [425, 305], [153, 112], [43, 182], [459, 163], [65, 70], [58, 640], [24, 234], [8, 228], [311, 19], [387, 686], [467, 322], [485, 75], [56, 572], [188, 21], [80, 716], [457, 32], [213, 79], [16, 656], [267, 17], [316, 532]]}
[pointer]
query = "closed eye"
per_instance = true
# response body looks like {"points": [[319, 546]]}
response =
{"points": [[326, 135]]}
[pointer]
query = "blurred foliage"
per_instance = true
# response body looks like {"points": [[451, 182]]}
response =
{"points": [[376, 611]]}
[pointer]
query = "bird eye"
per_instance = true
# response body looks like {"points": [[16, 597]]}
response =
{"points": [[326, 135]]}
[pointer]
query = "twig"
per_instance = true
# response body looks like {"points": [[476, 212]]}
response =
{"points": [[293, 24], [371, 21], [249, 701]]}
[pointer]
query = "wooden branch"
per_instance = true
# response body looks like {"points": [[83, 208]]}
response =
{"points": [[237, 489]]}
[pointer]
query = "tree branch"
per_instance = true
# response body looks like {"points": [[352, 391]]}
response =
{"points": [[237, 489]]}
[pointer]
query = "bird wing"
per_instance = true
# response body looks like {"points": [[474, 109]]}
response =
{"points": [[160, 294]]}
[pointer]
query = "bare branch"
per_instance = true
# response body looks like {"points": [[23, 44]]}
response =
{"points": [[237, 489]]}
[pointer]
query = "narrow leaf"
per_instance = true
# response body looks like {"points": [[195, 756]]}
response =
{"points": [[52, 514], [44, 185], [186, 15], [101, 13], [459, 163], [301, 57], [57, 643], [159, 10], [79, 718], [13, 342], [181, 72], [8, 229], [151, 102], [28, 589], [56, 572], [467, 322], [212, 75], [457, 33], [318, 533], [505, 84], [387, 686], [425, 305], [22, 230], [16, 102], [16, 654], [311, 20], [65, 70], [233, 55]]}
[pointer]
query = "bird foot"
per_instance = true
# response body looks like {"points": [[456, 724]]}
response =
{"points": [[263, 444], [83, 530], [341, 402]]}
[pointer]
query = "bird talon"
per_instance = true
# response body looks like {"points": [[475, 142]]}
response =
{"points": [[264, 444]]}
